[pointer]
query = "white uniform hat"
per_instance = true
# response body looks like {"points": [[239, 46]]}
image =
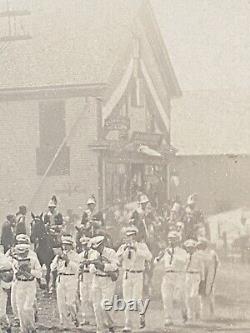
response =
{"points": [[176, 207], [188, 210], [173, 234], [67, 239], [190, 243], [21, 248], [22, 239], [202, 240], [91, 200], [192, 198], [84, 239], [131, 231], [143, 199], [53, 202], [180, 225], [96, 241]]}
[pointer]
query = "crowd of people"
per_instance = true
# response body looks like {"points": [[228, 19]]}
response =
{"points": [[83, 265]]}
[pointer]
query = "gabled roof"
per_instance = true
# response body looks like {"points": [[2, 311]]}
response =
{"points": [[76, 42]]}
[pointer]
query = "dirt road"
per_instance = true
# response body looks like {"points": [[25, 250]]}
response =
{"points": [[232, 307]]}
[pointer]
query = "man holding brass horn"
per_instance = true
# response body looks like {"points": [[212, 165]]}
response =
{"points": [[104, 266], [27, 269], [67, 265], [133, 255]]}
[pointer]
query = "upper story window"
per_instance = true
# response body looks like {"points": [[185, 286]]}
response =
{"points": [[52, 131]]}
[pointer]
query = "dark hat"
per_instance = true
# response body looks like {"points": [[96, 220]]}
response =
{"points": [[11, 218], [21, 208]]}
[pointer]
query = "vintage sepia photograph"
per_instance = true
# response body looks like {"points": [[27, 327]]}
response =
{"points": [[125, 166]]}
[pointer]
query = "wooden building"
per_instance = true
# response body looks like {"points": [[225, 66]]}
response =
{"points": [[85, 106]]}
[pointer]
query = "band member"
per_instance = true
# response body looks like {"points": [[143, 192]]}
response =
{"points": [[133, 256], [6, 276], [11, 254], [173, 283], [195, 275], [86, 279], [26, 269], [91, 219], [67, 265], [105, 269], [211, 263]]}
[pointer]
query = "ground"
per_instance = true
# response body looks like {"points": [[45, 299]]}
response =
{"points": [[232, 307]]}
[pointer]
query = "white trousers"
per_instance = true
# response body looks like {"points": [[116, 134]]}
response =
{"points": [[132, 290], [192, 295], [66, 291], [207, 305], [13, 299], [4, 321], [86, 280], [102, 289], [172, 288], [25, 298]]}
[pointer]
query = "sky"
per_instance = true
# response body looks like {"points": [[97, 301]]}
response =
{"points": [[209, 45], [208, 42]]}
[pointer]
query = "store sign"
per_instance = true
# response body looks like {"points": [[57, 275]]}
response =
{"points": [[149, 139], [118, 123]]}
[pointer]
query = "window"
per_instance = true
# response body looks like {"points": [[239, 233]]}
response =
{"points": [[52, 131]]}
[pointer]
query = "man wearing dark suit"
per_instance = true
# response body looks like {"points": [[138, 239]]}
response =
{"points": [[8, 232], [20, 221]]}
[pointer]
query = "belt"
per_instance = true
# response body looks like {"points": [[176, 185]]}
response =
{"points": [[173, 272], [5, 270], [102, 275], [133, 271], [65, 274], [25, 280], [192, 272], [82, 273]]}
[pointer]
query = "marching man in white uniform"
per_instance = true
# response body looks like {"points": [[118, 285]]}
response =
{"points": [[133, 256], [6, 276], [86, 279], [173, 283], [104, 266], [67, 267], [211, 263], [195, 276], [20, 239], [26, 270]]}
